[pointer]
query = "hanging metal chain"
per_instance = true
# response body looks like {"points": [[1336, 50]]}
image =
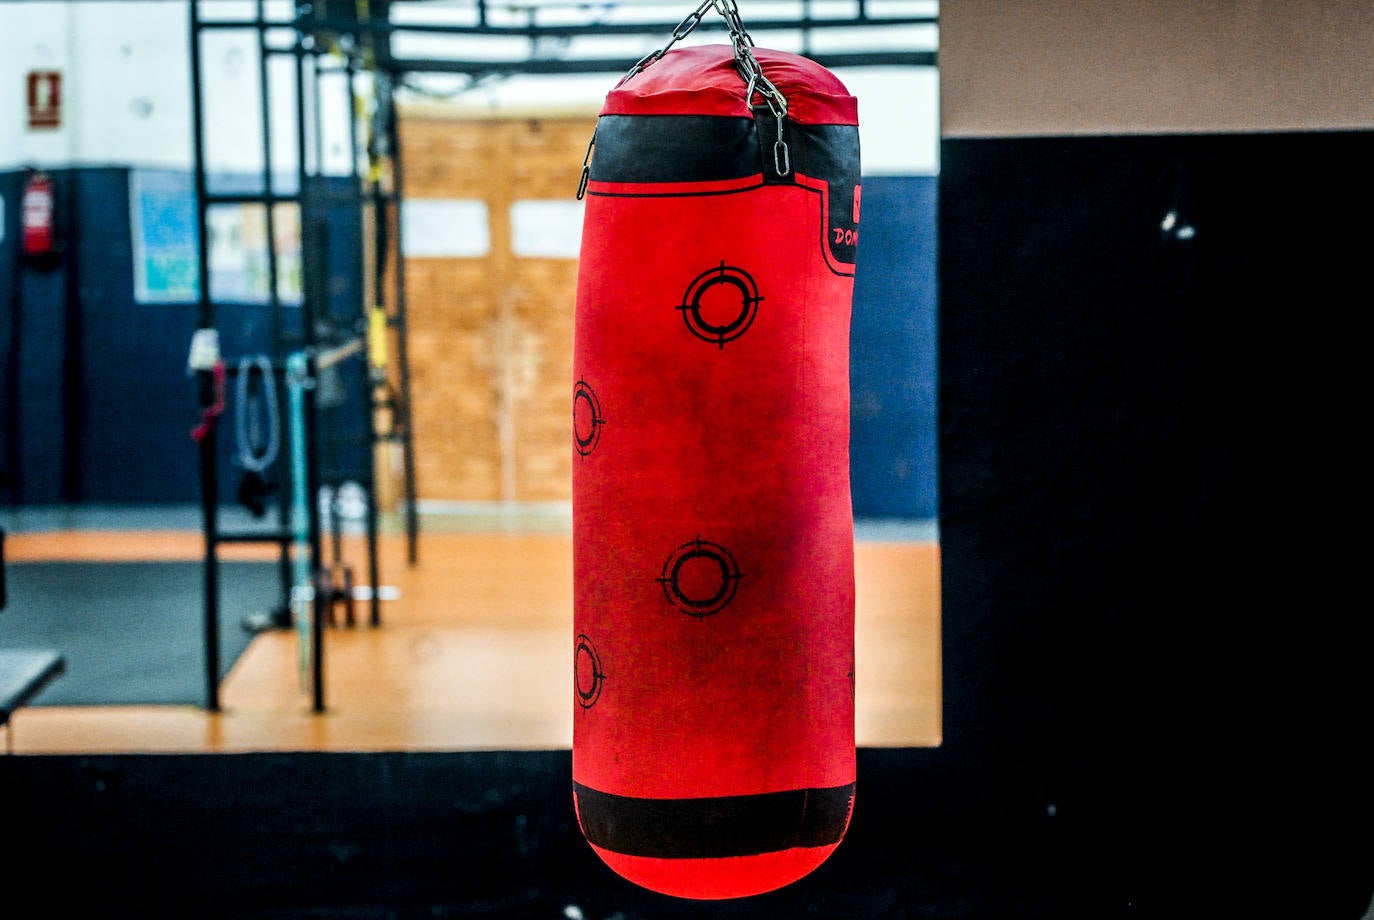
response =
{"points": [[756, 82], [740, 40], [755, 79], [683, 29]]}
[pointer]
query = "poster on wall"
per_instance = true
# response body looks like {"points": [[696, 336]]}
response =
{"points": [[445, 228], [163, 224], [162, 218], [239, 267], [546, 228]]}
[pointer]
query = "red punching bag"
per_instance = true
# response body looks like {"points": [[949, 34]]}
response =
{"points": [[713, 744]]}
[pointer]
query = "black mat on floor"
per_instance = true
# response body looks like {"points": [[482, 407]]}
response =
{"points": [[132, 632]]}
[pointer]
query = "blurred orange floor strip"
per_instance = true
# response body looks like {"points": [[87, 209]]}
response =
{"points": [[123, 546], [474, 654]]}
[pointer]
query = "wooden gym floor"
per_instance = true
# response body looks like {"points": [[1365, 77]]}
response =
{"points": [[471, 655]]}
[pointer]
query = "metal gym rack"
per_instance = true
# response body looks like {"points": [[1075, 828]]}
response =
{"points": [[355, 38], [324, 339]]}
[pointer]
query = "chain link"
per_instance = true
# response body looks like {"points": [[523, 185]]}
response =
{"points": [[682, 30]]}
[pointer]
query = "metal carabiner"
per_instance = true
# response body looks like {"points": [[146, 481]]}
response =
{"points": [[586, 166], [782, 157], [782, 161]]}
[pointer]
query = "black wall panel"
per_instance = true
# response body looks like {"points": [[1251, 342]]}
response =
{"points": [[1148, 443]]}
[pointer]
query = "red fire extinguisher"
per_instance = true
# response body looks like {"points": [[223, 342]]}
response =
{"points": [[38, 216]]}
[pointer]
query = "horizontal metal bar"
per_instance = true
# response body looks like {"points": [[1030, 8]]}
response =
{"points": [[534, 30], [620, 65], [250, 25], [332, 356], [218, 25], [251, 198], [324, 357]]}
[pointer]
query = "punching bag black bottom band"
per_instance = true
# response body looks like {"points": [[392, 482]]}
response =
{"points": [[740, 825]]}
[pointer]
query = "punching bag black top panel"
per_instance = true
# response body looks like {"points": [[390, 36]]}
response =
{"points": [[701, 148], [674, 148], [686, 120]]}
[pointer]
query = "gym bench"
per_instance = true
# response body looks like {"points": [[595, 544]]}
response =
{"points": [[23, 673]]}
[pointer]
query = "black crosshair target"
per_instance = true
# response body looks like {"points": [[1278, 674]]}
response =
{"points": [[720, 304], [588, 678], [587, 420], [700, 578]]}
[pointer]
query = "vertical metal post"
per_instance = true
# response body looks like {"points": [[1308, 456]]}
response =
{"points": [[308, 307], [273, 273], [312, 484], [73, 403], [305, 595], [381, 248], [369, 402], [9, 388], [269, 193], [209, 472], [402, 355]]}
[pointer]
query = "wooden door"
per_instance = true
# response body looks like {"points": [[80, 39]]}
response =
{"points": [[490, 330]]}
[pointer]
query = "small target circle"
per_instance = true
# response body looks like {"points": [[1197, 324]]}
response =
{"points": [[699, 578], [588, 677], [720, 304], [587, 420]]}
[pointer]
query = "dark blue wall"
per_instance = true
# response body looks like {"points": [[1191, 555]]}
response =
{"points": [[36, 327], [9, 298], [892, 352], [137, 403], [98, 405]]}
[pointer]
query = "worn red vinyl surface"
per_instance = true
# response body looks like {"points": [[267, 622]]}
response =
{"points": [[713, 748]]}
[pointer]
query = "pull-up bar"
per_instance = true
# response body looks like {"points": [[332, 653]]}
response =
{"points": [[328, 357]]}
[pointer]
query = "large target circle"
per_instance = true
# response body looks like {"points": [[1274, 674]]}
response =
{"points": [[699, 578], [720, 304], [587, 420], [588, 678]]}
